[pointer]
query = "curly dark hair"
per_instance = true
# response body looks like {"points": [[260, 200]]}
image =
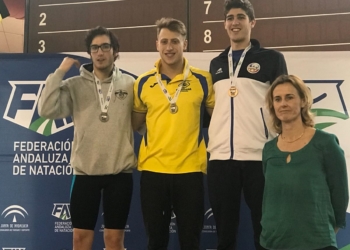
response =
{"points": [[100, 31]]}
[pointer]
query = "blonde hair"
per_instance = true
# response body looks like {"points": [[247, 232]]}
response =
{"points": [[304, 92], [172, 25]]}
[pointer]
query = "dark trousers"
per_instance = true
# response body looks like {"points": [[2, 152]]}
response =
{"points": [[226, 181], [181, 193]]}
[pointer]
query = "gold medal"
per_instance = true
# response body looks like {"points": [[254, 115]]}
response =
{"points": [[173, 108], [233, 91]]}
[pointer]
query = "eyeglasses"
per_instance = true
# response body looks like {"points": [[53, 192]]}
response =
{"points": [[104, 47]]}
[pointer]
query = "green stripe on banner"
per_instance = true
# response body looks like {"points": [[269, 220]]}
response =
{"points": [[330, 113], [47, 130], [346, 248], [37, 123], [324, 125]]}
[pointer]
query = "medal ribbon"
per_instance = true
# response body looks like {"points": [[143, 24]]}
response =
{"points": [[104, 104], [172, 100], [234, 75]]}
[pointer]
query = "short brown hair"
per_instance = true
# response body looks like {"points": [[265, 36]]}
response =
{"points": [[304, 94], [171, 24], [240, 4]]}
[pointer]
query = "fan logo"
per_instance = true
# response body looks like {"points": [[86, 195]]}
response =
{"points": [[61, 211], [22, 109]]}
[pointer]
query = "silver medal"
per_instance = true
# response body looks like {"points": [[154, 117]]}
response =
{"points": [[104, 117]]}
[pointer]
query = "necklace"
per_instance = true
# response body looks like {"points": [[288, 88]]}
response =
{"points": [[283, 138]]}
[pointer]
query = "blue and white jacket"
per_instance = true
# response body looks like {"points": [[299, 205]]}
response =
{"points": [[238, 128]]}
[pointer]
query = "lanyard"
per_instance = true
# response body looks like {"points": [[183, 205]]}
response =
{"points": [[233, 75], [104, 104], [172, 100]]}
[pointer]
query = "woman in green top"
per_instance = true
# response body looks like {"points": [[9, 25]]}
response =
{"points": [[306, 188]]}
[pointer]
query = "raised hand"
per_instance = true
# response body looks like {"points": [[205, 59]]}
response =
{"points": [[67, 63]]}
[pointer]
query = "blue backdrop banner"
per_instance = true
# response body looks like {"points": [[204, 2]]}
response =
{"points": [[35, 173]]}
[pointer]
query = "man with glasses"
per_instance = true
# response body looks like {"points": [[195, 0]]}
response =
{"points": [[100, 101]]}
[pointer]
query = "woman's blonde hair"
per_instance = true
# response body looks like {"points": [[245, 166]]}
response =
{"points": [[304, 92]]}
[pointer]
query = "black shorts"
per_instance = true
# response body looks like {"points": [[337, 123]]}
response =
{"points": [[116, 192]]}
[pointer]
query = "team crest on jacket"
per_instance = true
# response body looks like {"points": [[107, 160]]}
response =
{"points": [[186, 86], [253, 68], [121, 94]]}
